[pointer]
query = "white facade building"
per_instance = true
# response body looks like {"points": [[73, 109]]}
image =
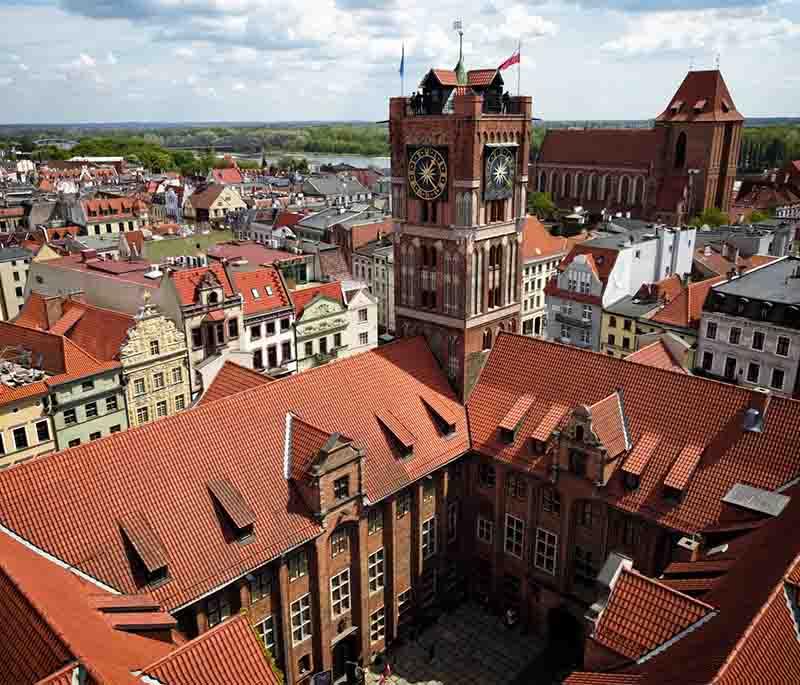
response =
{"points": [[373, 264]]}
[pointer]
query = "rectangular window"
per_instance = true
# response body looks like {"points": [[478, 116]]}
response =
{"points": [[585, 514], [286, 351], [734, 335], [339, 542], [309, 348], [301, 619], [515, 536], [272, 356], [777, 379], [270, 326], [377, 625], [218, 608], [233, 328], [486, 475], [485, 530], [260, 585], [220, 329], [265, 630], [197, 337], [758, 340], [94, 436], [43, 431], [403, 503], [142, 415], [630, 532], [158, 380], [138, 386], [363, 338], [70, 417], [180, 402], [362, 315], [116, 428], [626, 324], [403, 605], [711, 330], [298, 565], [708, 361], [258, 359], [375, 567], [74, 442], [577, 462], [516, 487], [20, 438], [111, 404], [177, 374], [429, 538], [285, 325], [452, 521], [375, 520], [87, 386], [155, 348], [546, 552], [255, 332], [161, 409], [428, 489], [91, 410], [782, 348], [323, 345], [551, 501], [611, 339], [341, 487], [340, 593], [584, 569], [753, 372]]}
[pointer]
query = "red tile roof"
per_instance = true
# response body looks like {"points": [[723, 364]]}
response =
{"points": [[333, 265], [228, 654], [112, 208], [601, 259], [684, 467], [49, 610], [717, 264], [307, 441], [608, 424], [254, 253], [685, 310], [584, 678], [287, 219], [701, 87], [656, 354], [537, 242], [228, 176], [70, 503], [642, 614], [187, 281], [561, 375], [614, 147], [270, 292], [302, 298], [203, 199], [516, 413], [230, 379]]}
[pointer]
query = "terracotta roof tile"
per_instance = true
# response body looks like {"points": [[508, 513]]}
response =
{"points": [[186, 281], [397, 428], [642, 451], [145, 541], [302, 298], [537, 242], [683, 468], [601, 259], [228, 176], [69, 503], [642, 614], [706, 87], [228, 654], [562, 375], [307, 441], [656, 354], [617, 147], [516, 413], [333, 264], [585, 678], [262, 290], [231, 500], [203, 199], [231, 379], [549, 422], [686, 309], [608, 424]]}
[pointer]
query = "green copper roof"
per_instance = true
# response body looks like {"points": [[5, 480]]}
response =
{"points": [[461, 72]]}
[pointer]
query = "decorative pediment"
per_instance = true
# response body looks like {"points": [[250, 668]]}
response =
{"points": [[208, 281]]}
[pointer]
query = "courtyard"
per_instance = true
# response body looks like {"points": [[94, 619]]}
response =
{"points": [[468, 647]]}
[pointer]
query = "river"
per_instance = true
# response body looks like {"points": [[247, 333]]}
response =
{"points": [[321, 158]]}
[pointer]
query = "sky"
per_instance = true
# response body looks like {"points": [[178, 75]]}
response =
{"points": [[267, 60]]}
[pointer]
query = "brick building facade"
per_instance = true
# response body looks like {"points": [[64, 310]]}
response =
{"points": [[684, 164]]}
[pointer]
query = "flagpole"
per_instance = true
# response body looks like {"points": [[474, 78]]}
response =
{"points": [[519, 65]]}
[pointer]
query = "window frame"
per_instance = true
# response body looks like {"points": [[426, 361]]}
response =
{"points": [[428, 538], [300, 619], [546, 549], [340, 586], [376, 571], [514, 536]]}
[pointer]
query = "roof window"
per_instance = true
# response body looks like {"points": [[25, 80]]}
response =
{"points": [[402, 438], [444, 418], [269, 291], [513, 419], [146, 551], [236, 514], [256, 294]]}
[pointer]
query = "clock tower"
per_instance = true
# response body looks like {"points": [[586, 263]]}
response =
{"points": [[460, 152]]}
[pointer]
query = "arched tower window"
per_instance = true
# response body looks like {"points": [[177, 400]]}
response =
{"points": [[567, 185], [680, 151], [542, 182], [625, 190], [638, 193], [555, 179], [591, 184], [601, 188], [579, 185], [487, 339]]}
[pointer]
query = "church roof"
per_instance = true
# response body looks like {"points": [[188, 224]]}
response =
{"points": [[636, 147], [703, 96]]}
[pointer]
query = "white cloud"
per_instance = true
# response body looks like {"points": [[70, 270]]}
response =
{"points": [[85, 61], [239, 86], [6, 80], [111, 58], [185, 53]]}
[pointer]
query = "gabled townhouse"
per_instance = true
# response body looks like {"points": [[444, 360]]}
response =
{"points": [[268, 335], [107, 216], [604, 270], [212, 204], [336, 189], [55, 394], [321, 322], [362, 308], [373, 264], [150, 348]]}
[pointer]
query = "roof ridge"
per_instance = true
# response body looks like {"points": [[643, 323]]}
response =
{"points": [[68, 342], [656, 581]]}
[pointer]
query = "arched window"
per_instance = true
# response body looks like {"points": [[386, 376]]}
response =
{"points": [[213, 297], [542, 182], [611, 188], [591, 184], [579, 433], [638, 191], [487, 339], [601, 188], [625, 190], [554, 186], [680, 151], [579, 185], [567, 185]]}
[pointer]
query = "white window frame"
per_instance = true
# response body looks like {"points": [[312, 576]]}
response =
{"points": [[545, 557], [301, 619], [428, 538], [514, 538], [376, 570], [778, 345], [340, 593], [377, 625], [485, 530], [266, 632]]}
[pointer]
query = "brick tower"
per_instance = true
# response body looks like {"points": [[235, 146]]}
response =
{"points": [[459, 181], [702, 137]]}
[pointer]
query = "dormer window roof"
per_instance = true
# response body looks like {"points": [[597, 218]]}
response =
{"points": [[700, 105], [444, 417], [640, 456], [238, 514], [681, 472], [549, 422], [145, 543], [513, 419], [403, 437], [676, 106], [610, 425]]}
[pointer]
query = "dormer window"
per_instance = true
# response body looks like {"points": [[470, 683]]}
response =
{"points": [[213, 297], [444, 417], [146, 551], [672, 494], [631, 481], [341, 488], [579, 433], [507, 436], [255, 293], [402, 438], [237, 517]]}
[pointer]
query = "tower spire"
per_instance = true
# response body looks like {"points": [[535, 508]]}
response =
{"points": [[461, 72]]}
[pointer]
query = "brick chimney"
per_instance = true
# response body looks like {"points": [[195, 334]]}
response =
{"points": [[54, 309]]}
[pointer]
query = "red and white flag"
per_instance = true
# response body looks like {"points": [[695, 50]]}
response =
{"points": [[514, 59]]}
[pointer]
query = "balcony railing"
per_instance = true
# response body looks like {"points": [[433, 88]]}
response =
{"points": [[573, 321]]}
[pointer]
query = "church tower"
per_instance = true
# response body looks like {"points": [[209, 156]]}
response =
{"points": [[460, 153], [702, 133]]}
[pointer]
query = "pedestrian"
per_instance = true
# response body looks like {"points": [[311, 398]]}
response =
{"points": [[387, 673]]}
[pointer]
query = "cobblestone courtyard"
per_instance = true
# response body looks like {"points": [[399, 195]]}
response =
{"points": [[471, 648]]}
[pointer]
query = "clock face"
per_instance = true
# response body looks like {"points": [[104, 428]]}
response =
{"points": [[427, 173], [500, 168]]}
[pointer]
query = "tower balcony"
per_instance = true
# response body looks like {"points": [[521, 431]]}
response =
{"points": [[467, 104]]}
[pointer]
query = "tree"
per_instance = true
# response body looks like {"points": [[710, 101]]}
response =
{"points": [[541, 205], [710, 217], [758, 215]]}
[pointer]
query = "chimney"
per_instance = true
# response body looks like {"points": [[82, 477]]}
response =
{"points": [[54, 309], [755, 415]]}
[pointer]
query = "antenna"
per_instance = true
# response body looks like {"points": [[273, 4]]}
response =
{"points": [[459, 26], [716, 61]]}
